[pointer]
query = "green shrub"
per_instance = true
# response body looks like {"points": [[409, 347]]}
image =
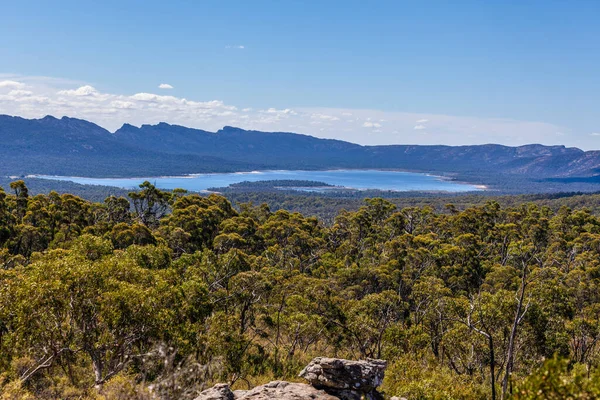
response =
{"points": [[423, 380], [556, 379]]}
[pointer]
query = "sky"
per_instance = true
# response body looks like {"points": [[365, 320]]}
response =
{"points": [[370, 72]]}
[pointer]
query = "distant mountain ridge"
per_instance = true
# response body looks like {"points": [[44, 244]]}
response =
{"points": [[296, 150], [70, 146]]}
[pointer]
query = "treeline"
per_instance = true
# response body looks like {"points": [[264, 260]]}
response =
{"points": [[94, 193], [326, 205], [161, 294]]}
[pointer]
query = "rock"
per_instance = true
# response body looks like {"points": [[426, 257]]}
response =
{"points": [[348, 394], [276, 390], [220, 391], [281, 390], [329, 378], [336, 375], [239, 393]]}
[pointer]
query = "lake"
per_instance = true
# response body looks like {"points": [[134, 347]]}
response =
{"points": [[354, 179]]}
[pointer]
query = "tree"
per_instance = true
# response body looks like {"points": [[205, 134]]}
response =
{"points": [[370, 317], [150, 204], [485, 314], [88, 303], [21, 194]]}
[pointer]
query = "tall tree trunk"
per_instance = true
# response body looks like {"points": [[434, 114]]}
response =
{"points": [[513, 333], [492, 366], [97, 366]]}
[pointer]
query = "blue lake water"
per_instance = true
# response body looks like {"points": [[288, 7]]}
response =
{"points": [[355, 179]]}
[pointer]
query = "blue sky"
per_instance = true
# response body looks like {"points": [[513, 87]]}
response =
{"points": [[473, 71]]}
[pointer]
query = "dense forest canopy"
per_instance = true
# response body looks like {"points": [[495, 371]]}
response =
{"points": [[162, 294]]}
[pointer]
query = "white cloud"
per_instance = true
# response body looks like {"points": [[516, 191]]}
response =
{"points": [[149, 97], [34, 97], [419, 127], [595, 134], [286, 111], [325, 117], [20, 93], [86, 90], [239, 47], [122, 104], [165, 86], [11, 84]]}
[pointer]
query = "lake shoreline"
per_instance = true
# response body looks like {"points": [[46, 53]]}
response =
{"points": [[344, 178]]}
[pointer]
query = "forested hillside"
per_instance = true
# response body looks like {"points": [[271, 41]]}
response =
{"points": [[163, 294], [70, 146]]}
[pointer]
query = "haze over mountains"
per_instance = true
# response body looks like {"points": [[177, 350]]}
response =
{"points": [[69, 146]]}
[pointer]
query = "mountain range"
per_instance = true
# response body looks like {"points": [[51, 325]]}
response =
{"points": [[70, 146]]}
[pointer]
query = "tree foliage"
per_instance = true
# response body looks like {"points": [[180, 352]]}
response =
{"points": [[176, 291]]}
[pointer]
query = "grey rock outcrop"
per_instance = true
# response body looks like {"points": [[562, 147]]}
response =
{"points": [[286, 391], [345, 378], [220, 391], [329, 379], [279, 390], [237, 394]]}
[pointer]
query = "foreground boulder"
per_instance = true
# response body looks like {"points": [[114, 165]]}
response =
{"points": [[220, 391], [345, 378], [329, 379], [273, 390]]}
